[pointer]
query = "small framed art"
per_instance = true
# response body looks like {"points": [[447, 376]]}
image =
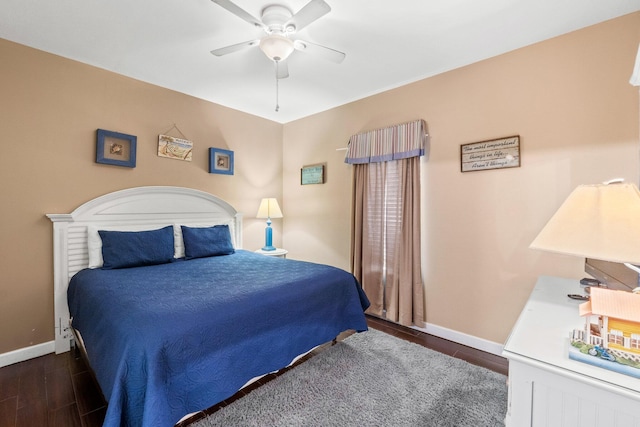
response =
{"points": [[114, 148], [175, 148], [492, 154], [312, 174], [220, 161]]}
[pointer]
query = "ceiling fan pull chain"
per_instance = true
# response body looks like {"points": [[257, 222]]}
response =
{"points": [[277, 89]]}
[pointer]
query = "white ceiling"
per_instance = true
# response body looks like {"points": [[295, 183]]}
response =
{"points": [[388, 44]]}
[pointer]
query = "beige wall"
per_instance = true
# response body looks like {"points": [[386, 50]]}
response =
{"points": [[50, 109], [569, 100]]}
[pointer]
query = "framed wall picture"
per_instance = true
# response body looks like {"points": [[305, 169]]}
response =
{"points": [[114, 148], [175, 148], [312, 174], [492, 154], [220, 161]]}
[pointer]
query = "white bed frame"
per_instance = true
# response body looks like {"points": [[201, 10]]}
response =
{"points": [[137, 208]]}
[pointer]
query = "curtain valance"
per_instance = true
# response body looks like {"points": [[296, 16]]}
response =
{"points": [[391, 143]]}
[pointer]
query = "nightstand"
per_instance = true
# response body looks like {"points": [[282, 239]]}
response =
{"points": [[278, 252]]}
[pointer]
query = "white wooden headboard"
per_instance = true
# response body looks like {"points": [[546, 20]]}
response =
{"points": [[131, 209]]}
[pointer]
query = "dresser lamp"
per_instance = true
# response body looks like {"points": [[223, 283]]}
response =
{"points": [[635, 75], [596, 221], [269, 208]]}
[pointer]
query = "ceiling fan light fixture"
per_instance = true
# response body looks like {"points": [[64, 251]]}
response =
{"points": [[276, 47]]}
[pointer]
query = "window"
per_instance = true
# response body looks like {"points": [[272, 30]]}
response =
{"points": [[385, 254], [616, 337], [635, 341]]}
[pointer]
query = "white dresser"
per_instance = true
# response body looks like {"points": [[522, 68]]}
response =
{"points": [[546, 388]]}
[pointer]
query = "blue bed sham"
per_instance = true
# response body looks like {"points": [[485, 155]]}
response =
{"points": [[171, 339]]}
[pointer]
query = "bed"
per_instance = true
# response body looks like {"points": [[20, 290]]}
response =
{"points": [[171, 331]]}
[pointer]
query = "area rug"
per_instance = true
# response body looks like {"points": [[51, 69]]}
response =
{"points": [[373, 379]]}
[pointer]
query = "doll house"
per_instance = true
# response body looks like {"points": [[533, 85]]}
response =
{"points": [[611, 332]]}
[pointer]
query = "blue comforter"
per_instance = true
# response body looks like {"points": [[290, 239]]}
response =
{"points": [[172, 339]]}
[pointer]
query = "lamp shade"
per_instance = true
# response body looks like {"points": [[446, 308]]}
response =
{"points": [[596, 221], [269, 208], [635, 76], [276, 47]]}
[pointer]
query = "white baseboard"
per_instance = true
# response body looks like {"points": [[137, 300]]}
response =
{"points": [[464, 339], [26, 353]]}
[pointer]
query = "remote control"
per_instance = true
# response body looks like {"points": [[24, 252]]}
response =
{"points": [[580, 297]]}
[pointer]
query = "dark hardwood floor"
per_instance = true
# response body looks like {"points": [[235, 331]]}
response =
{"points": [[59, 390]]}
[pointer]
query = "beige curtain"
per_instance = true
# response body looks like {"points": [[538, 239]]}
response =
{"points": [[386, 237]]}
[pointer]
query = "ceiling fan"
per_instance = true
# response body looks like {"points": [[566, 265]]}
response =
{"points": [[279, 24]]}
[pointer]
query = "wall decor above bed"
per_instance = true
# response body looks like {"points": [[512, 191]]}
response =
{"points": [[171, 147], [175, 148], [220, 161], [115, 148]]}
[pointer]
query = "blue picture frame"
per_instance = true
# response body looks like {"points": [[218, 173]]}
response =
{"points": [[220, 161], [115, 148]]}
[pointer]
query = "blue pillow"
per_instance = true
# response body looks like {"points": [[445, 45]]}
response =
{"points": [[122, 249], [207, 241]]}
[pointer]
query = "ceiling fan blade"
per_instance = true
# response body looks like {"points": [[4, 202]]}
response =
{"points": [[309, 13], [282, 70], [239, 12], [235, 47], [323, 51]]}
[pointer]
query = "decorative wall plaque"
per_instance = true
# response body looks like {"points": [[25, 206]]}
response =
{"points": [[492, 154], [312, 174]]}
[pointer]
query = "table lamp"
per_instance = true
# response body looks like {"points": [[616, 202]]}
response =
{"points": [[269, 208], [596, 221]]}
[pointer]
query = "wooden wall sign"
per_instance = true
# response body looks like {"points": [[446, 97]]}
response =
{"points": [[493, 154], [175, 148], [313, 174]]}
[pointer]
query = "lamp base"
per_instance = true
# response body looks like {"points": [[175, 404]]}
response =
{"points": [[268, 237]]}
